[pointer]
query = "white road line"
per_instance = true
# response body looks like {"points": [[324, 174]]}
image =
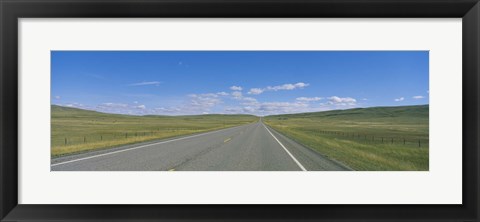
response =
{"points": [[139, 147], [294, 159]]}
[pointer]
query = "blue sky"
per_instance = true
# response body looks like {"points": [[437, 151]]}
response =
{"points": [[247, 82]]}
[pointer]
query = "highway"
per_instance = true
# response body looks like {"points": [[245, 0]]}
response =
{"points": [[252, 147]]}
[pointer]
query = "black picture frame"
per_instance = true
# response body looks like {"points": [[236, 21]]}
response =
{"points": [[11, 11]]}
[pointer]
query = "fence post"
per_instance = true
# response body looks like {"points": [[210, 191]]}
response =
{"points": [[392, 140], [101, 137], [65, 140], [382, 139], [403, 141], [418, 143], [84, 140], [126, 135]]}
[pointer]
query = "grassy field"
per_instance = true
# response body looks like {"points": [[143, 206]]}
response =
{"points": [[76, 130], [380, 138]]}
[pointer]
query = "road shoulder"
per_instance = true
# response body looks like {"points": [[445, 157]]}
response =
{"points": [[310, 158]]}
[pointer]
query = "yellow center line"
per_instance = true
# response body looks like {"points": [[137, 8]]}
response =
{"points": [[226, 140]]}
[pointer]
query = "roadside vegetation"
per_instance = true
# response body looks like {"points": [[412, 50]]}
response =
{"points": [[76, 130], [380, 138]]}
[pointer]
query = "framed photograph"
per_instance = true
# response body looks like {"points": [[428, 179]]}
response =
{"points": [[224, 110]]}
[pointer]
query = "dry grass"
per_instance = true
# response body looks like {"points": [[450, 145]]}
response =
{"points": [[76, 130]]}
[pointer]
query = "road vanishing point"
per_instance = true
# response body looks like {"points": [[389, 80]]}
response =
{"points": [[252, 147]]}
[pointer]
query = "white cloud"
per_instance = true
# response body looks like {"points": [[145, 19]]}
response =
{"points": [[255, 91], [309, 99], [269, 108], [399, 99], [208, 95], [236, 88], [118, 108], [202, 101], [301, 85], [56, 97], [211, 103], [113, 105], [74, 105], [249, 99], [232, 102], [418, 97], [280, 106], [140, 107], [237, 95], [364, 99], [156, 83], [272, 108], [195, 104], [288, 86], [248, 109], [335, 100]]}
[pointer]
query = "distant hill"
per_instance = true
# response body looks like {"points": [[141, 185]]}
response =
{"points": [[63, 110], [419, 111], [59, 111]]}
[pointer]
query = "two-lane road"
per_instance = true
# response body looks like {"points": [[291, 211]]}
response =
{"points": [[252, 147]]}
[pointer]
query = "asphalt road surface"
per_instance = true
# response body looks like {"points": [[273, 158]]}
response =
{"points": [[252, 147]]}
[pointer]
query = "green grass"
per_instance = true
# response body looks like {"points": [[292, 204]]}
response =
{"points": [[86, 130], [354, 136]]}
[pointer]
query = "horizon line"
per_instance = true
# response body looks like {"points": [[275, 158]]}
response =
{"points": [[427, 104]]}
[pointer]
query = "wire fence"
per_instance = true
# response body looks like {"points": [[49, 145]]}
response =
{"points": [[371, 138], [118, 136]]}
